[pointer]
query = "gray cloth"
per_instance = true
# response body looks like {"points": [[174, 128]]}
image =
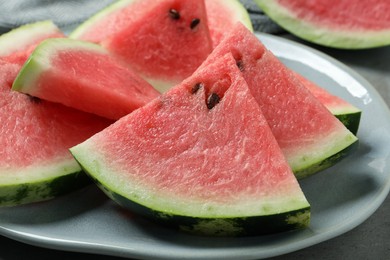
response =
{"points": [[64, 13], [68, 13]]}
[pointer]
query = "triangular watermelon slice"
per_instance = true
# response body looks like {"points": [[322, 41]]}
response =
{"points": [[311, 138], [35, 135], [164, 41], [346, 24], [201, 158], [84, 76]]}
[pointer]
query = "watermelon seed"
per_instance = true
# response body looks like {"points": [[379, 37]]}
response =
{"points": [[240, 65], [174, 14], [212, 100], [33, 99], [196, 87], [194, 23]]}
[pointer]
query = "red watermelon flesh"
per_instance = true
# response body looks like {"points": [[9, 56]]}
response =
{"points": [[85, 76], [304, 128], [164, 42], [202, 150], [35, 134]]}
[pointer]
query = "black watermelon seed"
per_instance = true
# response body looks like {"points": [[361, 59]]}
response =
{"points": [[194, 23], [196, 87], [33, 99], [212, 100], [240, 65], [174, 14]]}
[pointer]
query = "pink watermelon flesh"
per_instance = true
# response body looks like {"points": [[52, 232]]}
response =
{"points": [[352, 15], [163, 40], [190, 148], [160, 45], [90, 81], [297, 119]]}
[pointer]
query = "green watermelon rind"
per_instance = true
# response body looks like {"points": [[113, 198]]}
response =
{"points": [[309, 163], [343, 39], [40, 183], [233, 226], [348, 114], [194, 220], [350, 118]]}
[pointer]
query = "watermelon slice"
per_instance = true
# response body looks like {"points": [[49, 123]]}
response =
{"points": [[311, 138], [349, 24], [164, 41], [35, 135], [201, 158], [347, 113], [67, 71]]}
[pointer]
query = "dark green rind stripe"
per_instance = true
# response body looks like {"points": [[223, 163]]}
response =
{"points": [[350, 120], [326, 163], [234, 226], [18, 194]]}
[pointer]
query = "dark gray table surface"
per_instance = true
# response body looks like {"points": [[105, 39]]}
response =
{"points": [[370, 240]]}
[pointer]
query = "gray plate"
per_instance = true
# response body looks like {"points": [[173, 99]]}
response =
{"points": [[342, 197]]}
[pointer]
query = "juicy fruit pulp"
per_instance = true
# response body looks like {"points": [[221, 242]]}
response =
{"points": [[85, 76], [345, 24], [35, 135], [311, 138], [168, 160]]}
